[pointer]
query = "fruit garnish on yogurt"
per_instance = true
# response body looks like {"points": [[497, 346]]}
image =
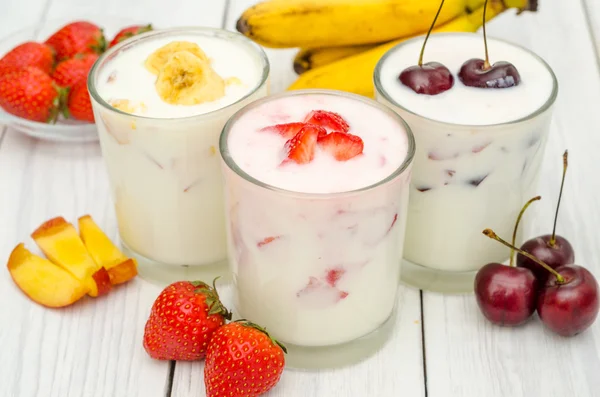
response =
{"points": [[481, 73], [320, 128], [184, 74], [429, 78]]}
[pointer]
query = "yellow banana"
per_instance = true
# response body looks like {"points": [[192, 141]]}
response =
{"points": [[355, 73], [311, 58], [326, 23]]}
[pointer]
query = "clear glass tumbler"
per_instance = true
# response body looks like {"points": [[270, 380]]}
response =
{"points": [[363, 230], [465, 178], [165, 174]]}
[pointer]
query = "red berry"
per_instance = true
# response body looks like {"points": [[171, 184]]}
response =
{"points": [[301, 148], [29, 54], [183, 319], [79, 104], [242, 361], [74, 70], [31, 94], [334, 275], [128, 32], [341, 146], [327, 119], [79, 37]]}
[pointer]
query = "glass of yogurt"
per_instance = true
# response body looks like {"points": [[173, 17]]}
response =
{"points": [[160, 101], [478, 156], [315, 246]]}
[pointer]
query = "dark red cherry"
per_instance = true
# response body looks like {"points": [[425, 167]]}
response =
{"points": [[570, 307], [506, 295], [559, 254], [473, 73], [431, 78]]}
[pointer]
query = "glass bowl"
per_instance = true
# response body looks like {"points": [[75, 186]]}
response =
{"points": [[65, 130]]}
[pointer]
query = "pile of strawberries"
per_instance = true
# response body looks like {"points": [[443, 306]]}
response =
{"points": [[327, 130], [40, 80], [188, 322]]}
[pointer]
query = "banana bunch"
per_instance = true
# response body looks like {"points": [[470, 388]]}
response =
{"points": [[341, 41]]}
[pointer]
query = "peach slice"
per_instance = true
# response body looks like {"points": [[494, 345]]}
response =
{"points": [[42, 281], [105, 253], [60, 242]]}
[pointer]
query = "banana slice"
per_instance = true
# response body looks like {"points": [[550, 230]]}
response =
{"points": [[128, 106], [185, 79], [156, 61]]}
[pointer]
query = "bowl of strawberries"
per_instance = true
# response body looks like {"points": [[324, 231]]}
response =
{"points": [[43, 75]]}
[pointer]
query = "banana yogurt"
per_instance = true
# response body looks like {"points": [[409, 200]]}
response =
{"points": [[161, 100]]}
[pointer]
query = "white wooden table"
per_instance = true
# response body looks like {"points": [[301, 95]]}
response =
{"points": [[442, 346]]}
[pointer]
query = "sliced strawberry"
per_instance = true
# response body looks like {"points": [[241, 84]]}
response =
{"points": [[287, 130], [301, 148], [341, 146], [266, 241], [327, 119], [334, 275]]}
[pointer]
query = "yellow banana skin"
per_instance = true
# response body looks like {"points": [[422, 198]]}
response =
{"points": [[327, 23], [311, 58], [355, 73]]}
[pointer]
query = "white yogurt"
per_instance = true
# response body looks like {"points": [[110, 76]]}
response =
{"points": [[164, 167], [478, 150], [462, 104], [125, 77], [313, 264]]}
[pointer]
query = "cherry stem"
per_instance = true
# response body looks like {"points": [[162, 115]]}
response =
{"points": [[429, 32], [486, 63], [514, 236], [552, 241], [490, 233]]}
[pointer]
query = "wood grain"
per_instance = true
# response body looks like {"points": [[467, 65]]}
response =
{"points": [[467, 356]]}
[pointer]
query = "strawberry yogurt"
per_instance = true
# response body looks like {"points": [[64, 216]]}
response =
{"points": [[478, 156], [316, 209], [162, 157]]}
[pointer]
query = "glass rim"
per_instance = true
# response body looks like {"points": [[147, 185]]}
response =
{"points": [[232, 165], [194, 30], [545, 106]]}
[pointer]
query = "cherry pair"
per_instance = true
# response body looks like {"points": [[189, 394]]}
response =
{"points": [[433, 78]]}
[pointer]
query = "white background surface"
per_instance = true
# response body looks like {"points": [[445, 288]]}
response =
{"points": [[442, 346]]}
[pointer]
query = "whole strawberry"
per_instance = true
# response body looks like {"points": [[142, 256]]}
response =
{"points": [[31, 94], [242, 361], [79, 37], [183, 319], [73, 70], [79, 103], [29, 54], [128, 32]]}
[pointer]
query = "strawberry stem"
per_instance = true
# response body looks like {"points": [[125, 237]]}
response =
{"points": [[514, 236], [250, 324], [211, 296]]}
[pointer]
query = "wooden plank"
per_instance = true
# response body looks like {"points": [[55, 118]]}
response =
{"points": [[592, 10], [397, 367], [95, 347], [466, 355]]}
